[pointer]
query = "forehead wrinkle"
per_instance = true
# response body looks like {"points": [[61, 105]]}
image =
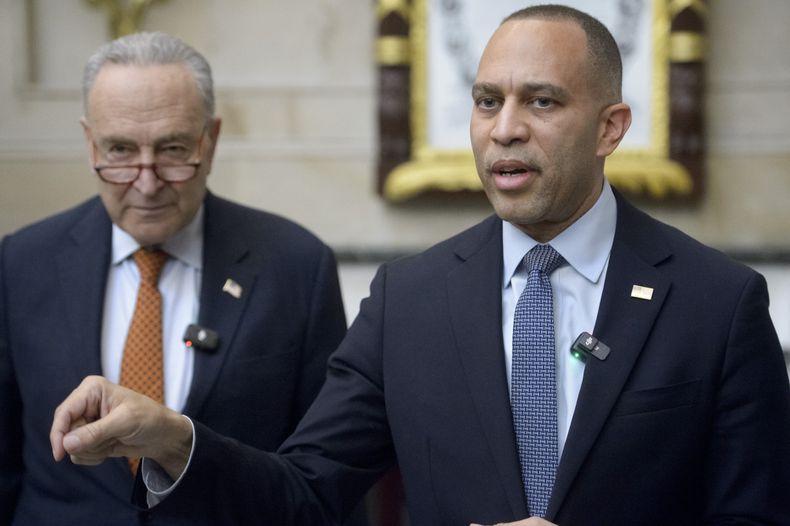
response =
{"points": [[143, 95], [175, 136]]}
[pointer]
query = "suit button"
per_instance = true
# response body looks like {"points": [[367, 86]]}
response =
{"points": [[146, 516]]}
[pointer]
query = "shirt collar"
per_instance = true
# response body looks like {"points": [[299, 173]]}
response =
{"points": [[186, 245], [585, 244]]}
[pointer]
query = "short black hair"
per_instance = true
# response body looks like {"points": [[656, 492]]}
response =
{"points": [[605, 62]]}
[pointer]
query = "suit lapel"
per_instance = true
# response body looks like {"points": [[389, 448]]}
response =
{"points": [[82, 267], [623, 323], [224, 252], [474, 290]]}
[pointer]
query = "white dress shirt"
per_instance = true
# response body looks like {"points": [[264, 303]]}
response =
{"points": [[576, 288], [179, 285]]}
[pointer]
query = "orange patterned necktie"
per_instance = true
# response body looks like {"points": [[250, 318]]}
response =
{"points": [[141, 367]]}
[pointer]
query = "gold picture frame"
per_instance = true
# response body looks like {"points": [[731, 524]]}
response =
{"points": [[669, 162]]}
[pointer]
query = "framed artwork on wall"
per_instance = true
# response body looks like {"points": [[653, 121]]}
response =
{"points": [[428, 52]]}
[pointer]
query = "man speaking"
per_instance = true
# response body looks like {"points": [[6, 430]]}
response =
{"points": [[459, 366]]}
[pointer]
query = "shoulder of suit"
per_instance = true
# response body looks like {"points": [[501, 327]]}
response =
{"points": [[52, 229], [257, 225], [461, 245], [646, 233]]}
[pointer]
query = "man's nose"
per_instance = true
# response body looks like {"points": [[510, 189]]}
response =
{"points": [[147, 182], [511, 124]]}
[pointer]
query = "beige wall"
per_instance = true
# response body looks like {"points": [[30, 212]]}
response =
{"points": [[296, 88]]}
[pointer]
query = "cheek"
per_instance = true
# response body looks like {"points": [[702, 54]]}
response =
{"points": [[479, 132], [113, 199], [575, 148], [191, 195]]}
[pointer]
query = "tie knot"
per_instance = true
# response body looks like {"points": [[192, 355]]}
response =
{"points": [[150, 263], [543, 258]]}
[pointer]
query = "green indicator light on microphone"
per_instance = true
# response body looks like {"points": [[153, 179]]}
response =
{"points": [[587, 345]]}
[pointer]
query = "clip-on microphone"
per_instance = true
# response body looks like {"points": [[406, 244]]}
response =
{"points": [[201, 338], [587, 345]]}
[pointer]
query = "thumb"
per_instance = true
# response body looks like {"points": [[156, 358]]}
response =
{"points": [[92, 437], [72, 443]]}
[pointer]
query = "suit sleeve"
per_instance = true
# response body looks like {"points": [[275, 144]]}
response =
{"points": [[340, 448], [10, 409], [749, 458]]}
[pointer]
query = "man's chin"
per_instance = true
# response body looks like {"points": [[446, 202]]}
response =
{"points": [[150, 236], [513, 209]]}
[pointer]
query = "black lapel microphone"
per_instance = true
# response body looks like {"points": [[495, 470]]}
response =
{"points": [[587, 345], [201, 338]]}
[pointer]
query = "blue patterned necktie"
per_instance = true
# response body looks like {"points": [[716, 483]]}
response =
{"points": [[533, 395]]}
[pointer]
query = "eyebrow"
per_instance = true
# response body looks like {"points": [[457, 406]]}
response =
{"points": [[175, 137], [172, 137], [545, 88], [480, 89], [484, 88]]}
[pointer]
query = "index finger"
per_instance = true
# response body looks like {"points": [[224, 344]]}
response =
{"points": [[82, 404]]}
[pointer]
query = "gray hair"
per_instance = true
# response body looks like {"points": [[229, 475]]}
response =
{"points": [[148, 49]]}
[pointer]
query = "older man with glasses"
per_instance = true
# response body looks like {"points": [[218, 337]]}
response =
{"points": [[110, 287]]}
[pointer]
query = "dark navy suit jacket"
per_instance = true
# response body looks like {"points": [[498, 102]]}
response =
{"points": [[274, 343], [686, 422]]}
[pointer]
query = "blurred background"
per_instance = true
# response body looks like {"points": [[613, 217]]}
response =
{"points": [[297, 88]]}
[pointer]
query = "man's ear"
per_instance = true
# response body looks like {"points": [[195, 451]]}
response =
{"points": [[216, 124], [86, 132], [213, 133], [614, 122]]}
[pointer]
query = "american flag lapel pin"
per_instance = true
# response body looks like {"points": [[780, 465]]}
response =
{"points": [[232, 288], [642, 292]]}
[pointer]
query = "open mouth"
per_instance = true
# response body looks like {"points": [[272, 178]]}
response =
{"points": [[511, 172], [513, 175], [512, 168]]}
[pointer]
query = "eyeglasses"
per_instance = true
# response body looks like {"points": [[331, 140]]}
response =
{"points": [[167, 170], [126, 174]]}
